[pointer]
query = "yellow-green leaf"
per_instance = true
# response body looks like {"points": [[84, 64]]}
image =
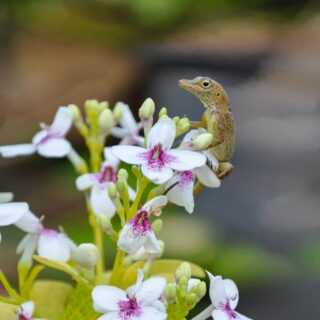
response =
{"points": [[50, 298], [63, 267], [165, 267], [8, 311]]}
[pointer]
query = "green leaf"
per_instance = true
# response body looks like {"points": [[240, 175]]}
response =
{"points": [[165, 268], [63, 267], [50, 298], [8, 311]]}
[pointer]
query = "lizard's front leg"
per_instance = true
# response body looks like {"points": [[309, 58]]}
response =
{"points": [[199, 124]]}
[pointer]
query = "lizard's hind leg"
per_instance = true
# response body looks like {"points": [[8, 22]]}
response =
{"points": [[224, 170]]}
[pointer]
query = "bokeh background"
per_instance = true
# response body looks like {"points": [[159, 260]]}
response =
{"points": [[262, 227]]}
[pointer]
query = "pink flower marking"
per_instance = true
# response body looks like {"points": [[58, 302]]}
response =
{"points": [[140, 223], [228, 310], [50, 232], [106, 175], [129, 308], [157, 158], [186, 177], [48, 137]]}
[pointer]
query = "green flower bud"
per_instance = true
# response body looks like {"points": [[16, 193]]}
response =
{"points": [[106, 120], [76, 114], [117, 111], [123, 175], [202, 141], [121, 186], [192, 298], [147, 109], [201, 289], [87, 255], [183, 282], [157, 226], [170, 292], [183, 126], [112, 190], [163, 112], [104, 223], [91, 105], [184, 270], [176, 119], [103, 105]]}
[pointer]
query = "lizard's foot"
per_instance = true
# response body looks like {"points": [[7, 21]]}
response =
{"points": [[196, 124], [224, 170]]}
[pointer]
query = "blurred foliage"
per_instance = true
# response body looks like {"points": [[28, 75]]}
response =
{"points": [[128, 22]]}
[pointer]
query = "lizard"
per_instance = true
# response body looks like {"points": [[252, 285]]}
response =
{"points": [[217, 118]]}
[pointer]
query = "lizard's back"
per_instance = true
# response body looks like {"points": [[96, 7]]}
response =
{"points": [[225, 150]]}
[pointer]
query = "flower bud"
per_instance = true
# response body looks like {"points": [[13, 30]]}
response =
{"points": [[123, 175], [176, 119], [183, 126], [87, 255], [121, 186], [106, 120], [157, 226], [76, 114], [201, 289], [91, 105], [104, 223], [170, 292], [147, 109], [112, 190], [184, 270], [192, 298], [202, 141], [103, 105], [163, 112], [118, 111]]}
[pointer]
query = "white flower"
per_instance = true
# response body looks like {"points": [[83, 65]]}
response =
{"points": [[26, 311], [49, 142], [139, 302], [138, 232], [224, 296], [129, 131], [12, 212], [157, 160], [98, 183], [182, 183], [48, 243]]}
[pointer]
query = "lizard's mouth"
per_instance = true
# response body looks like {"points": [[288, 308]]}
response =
{"points": [[186, 85]]}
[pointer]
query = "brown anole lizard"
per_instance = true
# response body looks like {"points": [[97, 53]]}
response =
{"points": [[217, 119]]}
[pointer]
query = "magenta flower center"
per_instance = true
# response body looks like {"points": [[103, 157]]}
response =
{"points": [[228, 310], [107, 175], [129, 308], [157, 158], [50, 232], [186, 177], [140, 223]]}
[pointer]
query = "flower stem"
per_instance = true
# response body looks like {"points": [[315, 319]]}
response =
{"points": [[12, 292], [141, 187], [116, 273]]}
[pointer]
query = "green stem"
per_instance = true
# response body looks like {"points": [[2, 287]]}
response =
{"points": [[141, 187], [116, 273], [12, 292]]}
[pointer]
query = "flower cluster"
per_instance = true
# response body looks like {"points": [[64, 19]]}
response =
{"points": [[126, 187]]}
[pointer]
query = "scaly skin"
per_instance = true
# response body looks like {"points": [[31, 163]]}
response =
{"points": [[217, 118]]}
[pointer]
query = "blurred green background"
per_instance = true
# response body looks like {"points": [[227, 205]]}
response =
{"points": [[261, 228]]}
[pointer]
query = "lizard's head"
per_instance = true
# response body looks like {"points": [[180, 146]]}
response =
{"points": [[210, 92]]}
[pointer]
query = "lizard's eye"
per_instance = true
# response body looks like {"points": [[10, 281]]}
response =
{"points": [[205, 83]]}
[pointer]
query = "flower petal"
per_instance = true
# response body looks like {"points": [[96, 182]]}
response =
{"points": [[54, 148], [111, 159], [107, 297], [232, 292], [27, 247], [207, 177], [186, 160], [11, 212], [127, 120], [110, 316], [152, 245], [156, 202], [192, 283], [54, 246], [151, 290], [17, 150], [129, 241], [149, 313], [163, 132], [29, 223], [182, 193], [217, 291], [119, 132], [101, 202], [129, 154], [62, 121], [157, 176], [28, 308], [86, 181], [6, 197], [190, 135], [213, 161], [220, 315], [132, 193]]}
